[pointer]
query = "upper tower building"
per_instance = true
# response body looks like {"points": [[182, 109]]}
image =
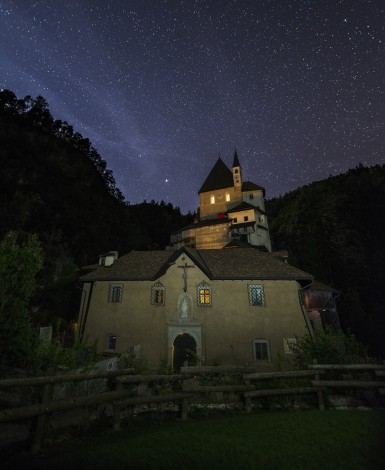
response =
{"points": [[231, 212]]}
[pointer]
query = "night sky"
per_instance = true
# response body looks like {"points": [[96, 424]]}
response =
{"points": [[162, 87]]}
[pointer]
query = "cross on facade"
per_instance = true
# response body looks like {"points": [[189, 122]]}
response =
{"points": [[184, 275]]}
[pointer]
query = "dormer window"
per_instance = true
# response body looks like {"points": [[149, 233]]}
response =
{"points": [[227, 197], [212, 199]]}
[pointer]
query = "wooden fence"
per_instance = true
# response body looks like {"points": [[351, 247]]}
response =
{"points": [[125, 391]]}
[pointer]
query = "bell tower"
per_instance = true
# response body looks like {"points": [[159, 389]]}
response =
{"points": [[237, 175]]}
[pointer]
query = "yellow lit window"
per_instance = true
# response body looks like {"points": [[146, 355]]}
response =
{"points": [[204, 294], [227, 197], [212, 199]]}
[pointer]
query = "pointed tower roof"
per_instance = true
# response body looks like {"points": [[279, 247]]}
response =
{"points": [[219, 177], [236, 159]]}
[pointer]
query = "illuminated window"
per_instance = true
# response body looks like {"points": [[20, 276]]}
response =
{"points": [[115, 292], [204, 294], [112, 342], [158, 294], [227, 197], [261, 350], [212, 199], [256, 295]]}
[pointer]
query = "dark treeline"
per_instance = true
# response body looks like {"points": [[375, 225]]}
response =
{"points": [[54, 183], [335, 229]]}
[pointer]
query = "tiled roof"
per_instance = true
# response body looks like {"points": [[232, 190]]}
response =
{"points": [[219, 177], [243, 206], [249, 186], [243, 263], [236, 263], [135, 266]]}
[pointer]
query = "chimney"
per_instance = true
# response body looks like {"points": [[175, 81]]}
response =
{"points": [[108, 259]]}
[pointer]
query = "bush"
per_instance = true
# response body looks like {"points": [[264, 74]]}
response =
{"points": [[330, 347]]}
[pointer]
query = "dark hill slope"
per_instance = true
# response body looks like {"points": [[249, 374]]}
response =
{"points": [[54, 183], [335, 229]]}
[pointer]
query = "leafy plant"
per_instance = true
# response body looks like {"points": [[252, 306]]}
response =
{"points": [[130, 359], [330, 347]]}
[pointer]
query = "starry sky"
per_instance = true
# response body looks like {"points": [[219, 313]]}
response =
{"points": [[162, 87]]}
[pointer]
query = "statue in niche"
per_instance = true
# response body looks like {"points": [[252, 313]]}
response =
{"points": [[184, 308]]}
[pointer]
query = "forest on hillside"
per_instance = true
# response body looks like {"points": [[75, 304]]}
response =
{"points": [[334, 229], [54, 183]]}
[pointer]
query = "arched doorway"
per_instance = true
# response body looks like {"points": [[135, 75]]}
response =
{"points": [[184, 349]]}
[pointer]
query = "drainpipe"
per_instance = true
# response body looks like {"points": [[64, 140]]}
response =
{"points": [[84, 312], [304, 312]]}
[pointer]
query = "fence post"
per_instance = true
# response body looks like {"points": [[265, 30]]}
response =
{"points": [[41, 419], [320, 395], [116, 407], [183, 409]]}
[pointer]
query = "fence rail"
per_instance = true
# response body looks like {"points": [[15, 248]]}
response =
{"points": [[126, 390]]}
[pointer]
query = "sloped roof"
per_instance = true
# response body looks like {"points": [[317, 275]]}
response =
{"points": [[238, 263], [135, 266], [236, 159], [219, 177], [243, 206], [250, 186]]}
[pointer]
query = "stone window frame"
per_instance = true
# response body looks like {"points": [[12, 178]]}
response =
{"points": [[253, 299], [204, 294], [158, 295], [261, 350], [115, 293]]}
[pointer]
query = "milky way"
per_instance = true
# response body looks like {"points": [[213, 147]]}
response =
{"points": [[162, 87]]}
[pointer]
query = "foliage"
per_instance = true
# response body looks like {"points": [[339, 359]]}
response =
{"points": [[20, 261], [164, 366], [330, 347], [130, 359], [53, 354]]}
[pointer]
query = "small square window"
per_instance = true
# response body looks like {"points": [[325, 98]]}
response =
{"points": [[235, 220], [256, 295], [261, 350], [204, 294], [115, 293], [112, 342], [251, 196], [245, 218]]}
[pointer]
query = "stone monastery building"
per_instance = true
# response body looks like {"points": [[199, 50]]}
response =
{"points": [[219, 295]]}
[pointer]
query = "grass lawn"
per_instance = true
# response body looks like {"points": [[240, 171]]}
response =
{"points": [[263, 440]]}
